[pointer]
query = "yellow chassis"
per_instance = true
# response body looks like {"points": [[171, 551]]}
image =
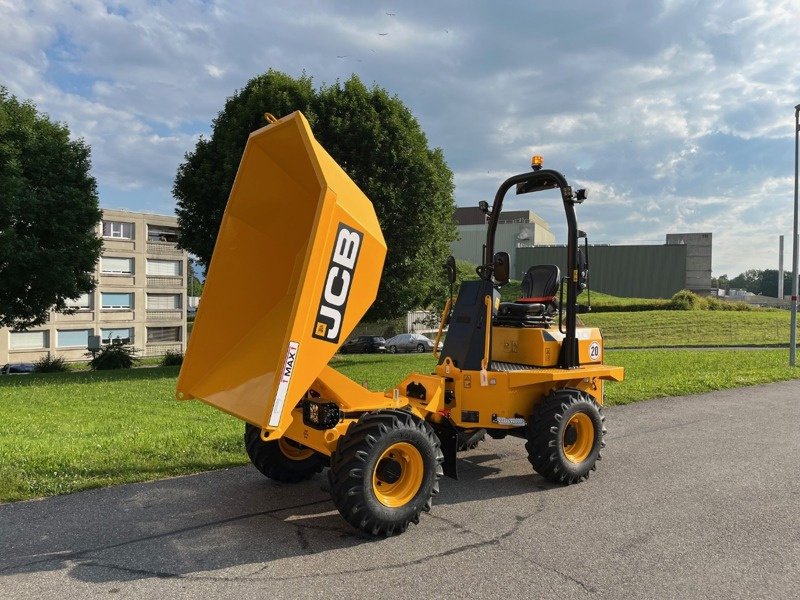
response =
{"points": [[507, 395]]}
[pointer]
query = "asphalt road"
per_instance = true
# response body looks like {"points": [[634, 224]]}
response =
{"points": [[696, 497]]}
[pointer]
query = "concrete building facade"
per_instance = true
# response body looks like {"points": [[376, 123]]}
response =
{"points": [[515, 229], [641, 271], [698, 260], [140, 296]]}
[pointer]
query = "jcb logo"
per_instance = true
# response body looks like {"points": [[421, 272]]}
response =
{"points": [[333, 303]]}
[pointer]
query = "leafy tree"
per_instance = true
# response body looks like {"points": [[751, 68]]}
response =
{"points": [[194, 285], [48, 211], [750, 280], [382, 147], [769, 283], [204, 180], [377, 141]]}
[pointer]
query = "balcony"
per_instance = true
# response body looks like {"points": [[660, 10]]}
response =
{"points": [[156, 247], [161, 348], [165, 315], [164, 281]]}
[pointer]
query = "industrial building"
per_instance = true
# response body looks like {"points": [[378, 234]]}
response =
{"points": [[140, 296], [642, 271], [515, 229]]}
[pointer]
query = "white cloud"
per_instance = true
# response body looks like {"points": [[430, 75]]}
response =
{"points": [[675, 115]]}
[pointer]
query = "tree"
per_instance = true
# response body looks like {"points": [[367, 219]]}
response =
{"points": [[48, 212], [769, 283], [720, 282], [750, 280], [205, 178], [375, 139], [194, 285]]}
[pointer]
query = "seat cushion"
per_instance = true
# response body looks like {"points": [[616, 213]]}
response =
{"points": [[520, 314]]}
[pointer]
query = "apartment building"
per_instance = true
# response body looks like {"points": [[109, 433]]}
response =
{"points": [[140, 296]]}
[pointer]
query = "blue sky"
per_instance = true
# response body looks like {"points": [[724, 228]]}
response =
{"points": [[678, 116]]}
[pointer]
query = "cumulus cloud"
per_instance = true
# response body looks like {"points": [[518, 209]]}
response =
{"points": [[677, 116]]}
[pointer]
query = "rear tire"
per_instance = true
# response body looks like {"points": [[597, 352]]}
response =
{"points": [[282, 460], [565, 437], [420, 348], [385, 472]]}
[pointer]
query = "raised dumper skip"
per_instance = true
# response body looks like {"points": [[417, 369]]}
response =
{"points": [[281, 294]]}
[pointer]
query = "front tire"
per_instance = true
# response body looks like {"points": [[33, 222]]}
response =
{"points": [[392, 349], [565, 437], [282, 460], [420, 348], [385, 472]]}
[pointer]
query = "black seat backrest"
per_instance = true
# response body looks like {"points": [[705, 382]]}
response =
{"points": [[541, 281]]}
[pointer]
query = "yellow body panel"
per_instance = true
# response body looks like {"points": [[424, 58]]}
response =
{"points": [[539, 347], [297, 263]]}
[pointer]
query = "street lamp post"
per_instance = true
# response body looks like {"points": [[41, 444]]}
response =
{"points": [[793, 334]]}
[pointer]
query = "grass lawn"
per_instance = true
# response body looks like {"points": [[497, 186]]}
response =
{"points": [[656, 328], [61, 433]]}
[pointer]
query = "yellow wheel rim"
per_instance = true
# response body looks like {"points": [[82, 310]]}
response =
{"points": [[398, 474], [293, 450], [578, 437]]}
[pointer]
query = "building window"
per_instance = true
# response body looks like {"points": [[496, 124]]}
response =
{"points": [[162, 233], [118, 229], [163, 301], [73, 338], [116, 336], [164, 268], [28, 340], [84, 302], [115, 300], [120, 266], [163, 334]]}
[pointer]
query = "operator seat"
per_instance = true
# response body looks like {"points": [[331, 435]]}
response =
{"points": [[538, 302]]}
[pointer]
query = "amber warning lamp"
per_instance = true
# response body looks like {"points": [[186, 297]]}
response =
{"points": [[536, 162]]}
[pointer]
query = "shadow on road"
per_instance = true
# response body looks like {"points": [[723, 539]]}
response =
{"points": [[233, 520]]}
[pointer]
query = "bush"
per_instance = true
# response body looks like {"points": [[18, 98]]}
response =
{"points": [[172, 358], [51, 364], [717, 304], [114, 356], [686, 300]]}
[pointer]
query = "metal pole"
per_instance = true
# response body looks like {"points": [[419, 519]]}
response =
{"points": [[780, 267], [793, 333]]}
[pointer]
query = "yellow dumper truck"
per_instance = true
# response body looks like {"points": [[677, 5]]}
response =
{"points": [[297, 264]]}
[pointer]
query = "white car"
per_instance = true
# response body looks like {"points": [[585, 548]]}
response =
{"points": [[410, 342]]}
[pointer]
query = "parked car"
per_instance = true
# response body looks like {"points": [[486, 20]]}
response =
{"points": [[17, 369], [410, 342], [365, 344]]}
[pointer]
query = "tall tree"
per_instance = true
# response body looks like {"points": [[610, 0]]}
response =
{"points": [[205, 178], [375, 139], [379, 143], [48, 211]]}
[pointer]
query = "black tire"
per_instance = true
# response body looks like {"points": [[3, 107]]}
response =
{"points": [[420, 348], [565, 437], [272, 460], [371, 455], [392, 349]]}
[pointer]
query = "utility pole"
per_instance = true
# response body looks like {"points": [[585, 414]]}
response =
{"points": [[793, 333], [780, 267]]}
